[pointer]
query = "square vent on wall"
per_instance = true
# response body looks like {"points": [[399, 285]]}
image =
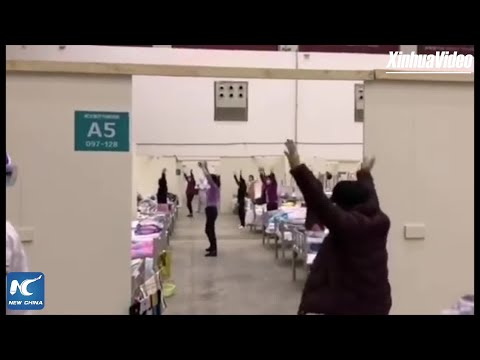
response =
{"points": [[231, 100]]}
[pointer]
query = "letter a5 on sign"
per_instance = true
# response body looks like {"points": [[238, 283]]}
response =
{"points": [[102, 131]]}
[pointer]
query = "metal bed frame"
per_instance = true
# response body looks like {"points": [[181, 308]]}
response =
{"points": [[266, 237], [160, 245], [299, 250], [257, 220], [137, 280], [285, 243], [162, 242]]}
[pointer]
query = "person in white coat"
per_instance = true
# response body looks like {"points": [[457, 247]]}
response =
{"points": [[16, 260], [202, 187]]}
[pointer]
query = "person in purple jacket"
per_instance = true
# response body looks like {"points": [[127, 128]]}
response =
{"points": [[271, 189], [211, 211]]}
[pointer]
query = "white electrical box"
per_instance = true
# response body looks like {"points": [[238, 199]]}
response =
{"points": [[414, 231], [231, 101], [288, 47], [231, 94], [26, 234], [359, 102]]}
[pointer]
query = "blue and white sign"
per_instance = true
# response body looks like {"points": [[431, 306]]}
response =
{"points": [[102, 131], [25, 291]]}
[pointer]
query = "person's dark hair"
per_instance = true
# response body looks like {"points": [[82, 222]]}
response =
{"points": [[216, 179], [251, 177], [347, 194], [329, 176]]}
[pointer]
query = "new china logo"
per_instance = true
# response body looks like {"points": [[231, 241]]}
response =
{"points": [[25, 291], [443, 62]]}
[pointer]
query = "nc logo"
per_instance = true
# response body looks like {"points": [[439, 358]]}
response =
{"points": [[23, 287], [26, 291]]}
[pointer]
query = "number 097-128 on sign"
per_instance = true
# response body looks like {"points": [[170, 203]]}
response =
{"points": [[102, 131]]}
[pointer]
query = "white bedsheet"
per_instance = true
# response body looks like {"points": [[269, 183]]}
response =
{"points": [[141, 238]]}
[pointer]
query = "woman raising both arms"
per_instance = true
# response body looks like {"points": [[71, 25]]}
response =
{"points": [[241, 194], [270, 189], [211, 211], [350, 275]]}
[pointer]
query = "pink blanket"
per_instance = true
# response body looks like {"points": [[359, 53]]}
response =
{"points": [[163, 208], [140, 250]]}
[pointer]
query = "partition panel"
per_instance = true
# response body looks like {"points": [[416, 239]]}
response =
{"points": [[422, 136], [73, 205]]}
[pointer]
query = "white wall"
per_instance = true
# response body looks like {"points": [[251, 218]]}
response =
{"points": [[422, 134], [78, 204], [179, 111]]}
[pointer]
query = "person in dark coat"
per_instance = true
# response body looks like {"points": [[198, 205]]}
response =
{"points": [[241, 194], [162, 188], [269, 189], [312, 222], [350, 275], [190, 191]]}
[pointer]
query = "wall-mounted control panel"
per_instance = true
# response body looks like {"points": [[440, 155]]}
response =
{"points": [[231, 100], [359, 114]]}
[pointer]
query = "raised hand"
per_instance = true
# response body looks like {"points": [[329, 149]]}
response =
{"points": [[292, 154], [367, 163], [164, 170], [200, 165]]}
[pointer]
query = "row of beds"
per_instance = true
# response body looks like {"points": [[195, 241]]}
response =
{"points": [[285, 229], [151, 233]]}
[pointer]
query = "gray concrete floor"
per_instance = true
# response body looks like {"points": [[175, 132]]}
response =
{"points": [[244, 279]]}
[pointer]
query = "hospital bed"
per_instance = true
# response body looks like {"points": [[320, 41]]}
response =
{"points": [[147, 293], [305, 247], [277, 225], [151, 233], [254, 216], [138, 277], [285, 235], [149, 242], [464, 306], [149, 238]]}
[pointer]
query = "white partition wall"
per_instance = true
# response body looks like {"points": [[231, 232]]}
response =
{"points": [[423, 136], [74, 207]]}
